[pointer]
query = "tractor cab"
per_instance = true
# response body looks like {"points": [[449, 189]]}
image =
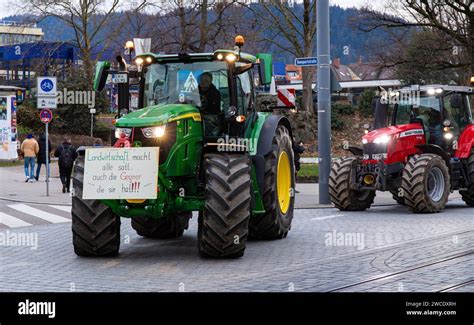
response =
{"points": [[220, 85], [444, 112], [217, 89]]}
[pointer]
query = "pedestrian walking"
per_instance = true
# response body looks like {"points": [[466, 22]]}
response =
{"points": [[66, 153], [298, 149], [29, 148], [42, 156]]}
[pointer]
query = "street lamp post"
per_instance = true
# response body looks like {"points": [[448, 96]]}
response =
{"points": [[324, 100], [130, 47]]}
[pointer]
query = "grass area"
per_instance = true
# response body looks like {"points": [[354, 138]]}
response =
{"points": [[308, 170], [6, 163]]}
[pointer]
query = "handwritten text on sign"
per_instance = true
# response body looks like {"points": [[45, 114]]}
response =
{"points": [[120, 173]]}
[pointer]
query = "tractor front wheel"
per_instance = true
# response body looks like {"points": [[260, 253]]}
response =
{"points": [[343, 197], [278, 192], [95, 228], [426, 183], [223, 224], [171, 226], [468, 195]]}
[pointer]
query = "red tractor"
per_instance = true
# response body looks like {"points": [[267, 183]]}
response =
{"points": [[420, 149]]}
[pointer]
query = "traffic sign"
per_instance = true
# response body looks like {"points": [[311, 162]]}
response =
{"points": [[46, 87], [120, 78], [46, 115], [286, 98], [306, 62], [47, 102]]}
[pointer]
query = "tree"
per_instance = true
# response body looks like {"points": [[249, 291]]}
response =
{"points": [[297, 26], [88, 19], [197, 25], [451, 22]]}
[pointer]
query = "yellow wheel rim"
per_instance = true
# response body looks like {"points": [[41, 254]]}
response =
{"points": [[283, 182]]}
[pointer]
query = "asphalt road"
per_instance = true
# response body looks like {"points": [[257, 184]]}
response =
{"points": [[385, 248]]}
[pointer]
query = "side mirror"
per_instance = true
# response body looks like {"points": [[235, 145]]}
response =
{"points": [[101, 72], [265, 68], [380, 116]]}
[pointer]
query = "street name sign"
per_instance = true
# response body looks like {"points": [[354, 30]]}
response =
{"points": [[306, 62]]}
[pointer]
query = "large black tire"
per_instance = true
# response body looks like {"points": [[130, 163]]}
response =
{"points": [[276, 221], [342, 196], [167, 227], [468, 195], [95, 228], [399, 199], [223, 225], [426, 183]]}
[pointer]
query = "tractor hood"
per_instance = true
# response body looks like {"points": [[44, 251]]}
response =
{"points": [[392, 130], [158, 115]]}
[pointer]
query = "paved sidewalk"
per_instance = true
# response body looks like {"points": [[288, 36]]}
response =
{"points": [[14, 188]]}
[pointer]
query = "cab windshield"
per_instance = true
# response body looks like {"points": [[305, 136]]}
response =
{"points": [[426, 108], [184, 83]]}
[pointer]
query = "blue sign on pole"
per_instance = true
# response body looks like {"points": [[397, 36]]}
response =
{"points": [[306, 62]]}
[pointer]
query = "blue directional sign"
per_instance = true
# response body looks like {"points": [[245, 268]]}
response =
{"points": [[306, 62]]}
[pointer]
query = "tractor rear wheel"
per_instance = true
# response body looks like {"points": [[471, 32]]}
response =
{"points": [[278, 192], [426, 183], [223, 224], [343, 197], [95, 228], [468, 195], [397, 198], [167, 227]]}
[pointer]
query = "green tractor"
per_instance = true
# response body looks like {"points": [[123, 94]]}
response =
{"points": [[218, 155]]}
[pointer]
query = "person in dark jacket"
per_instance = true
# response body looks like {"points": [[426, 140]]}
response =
{"points": [[42, 156], [66, 153], [210, 104], [298, 149]]}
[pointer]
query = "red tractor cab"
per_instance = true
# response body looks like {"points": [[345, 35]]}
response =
{"points": [[420, 149]]}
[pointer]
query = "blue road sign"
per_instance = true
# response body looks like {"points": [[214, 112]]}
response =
{"points": [[306, 62], [47, 85]]}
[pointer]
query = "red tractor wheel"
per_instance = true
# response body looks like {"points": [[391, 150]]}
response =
{"points": [[343, 197], [468, 195], [426, 183]]}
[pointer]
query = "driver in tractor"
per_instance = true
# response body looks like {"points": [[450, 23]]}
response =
{"points": [[210, 104], [431, 125]]}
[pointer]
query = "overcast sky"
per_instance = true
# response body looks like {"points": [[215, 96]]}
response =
{"points": [[6, 9]]}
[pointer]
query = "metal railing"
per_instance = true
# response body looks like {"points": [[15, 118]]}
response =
{"points": [[17, 24]]}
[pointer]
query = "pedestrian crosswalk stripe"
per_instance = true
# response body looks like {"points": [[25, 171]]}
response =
{"points": [[61, 207], [54, 218], [12, 222]]}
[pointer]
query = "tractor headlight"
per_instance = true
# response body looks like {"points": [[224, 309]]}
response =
{"points": [[154, 132], [126, 131], [384, 139], [448, 136]]}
